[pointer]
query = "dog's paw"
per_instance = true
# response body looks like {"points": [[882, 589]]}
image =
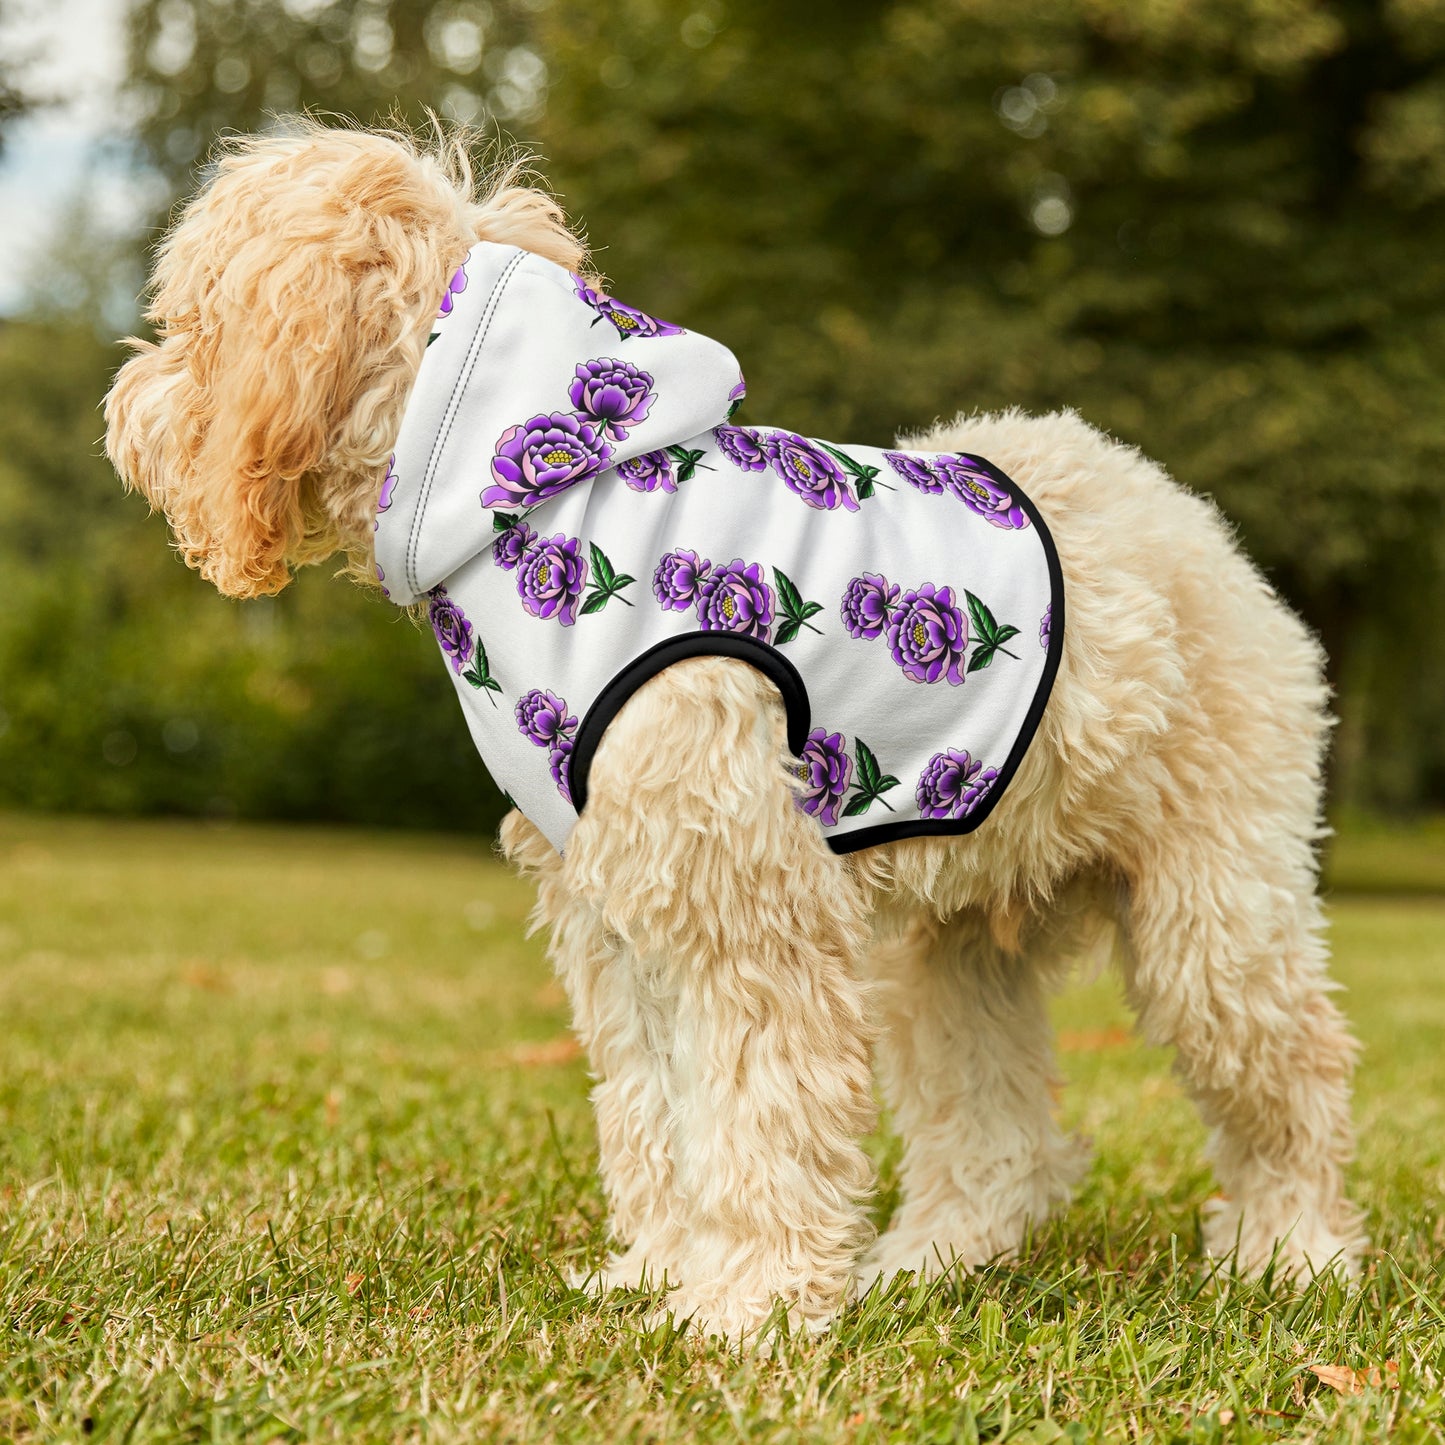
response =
{"points": [[929, 1254], [633, 1270], [1299, 1245], [741, 1323]]}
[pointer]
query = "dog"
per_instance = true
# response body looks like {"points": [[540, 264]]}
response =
{"points": [[733, 977]]}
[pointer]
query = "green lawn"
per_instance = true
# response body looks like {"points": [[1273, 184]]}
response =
{"points": [[293, 1145]]}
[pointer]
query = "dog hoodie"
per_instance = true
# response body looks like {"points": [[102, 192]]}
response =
{"points": [[572, 503]]}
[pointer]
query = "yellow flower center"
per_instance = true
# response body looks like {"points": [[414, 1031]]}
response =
{"points": [[627, 323], [729, 608], [544, 574], [557, 457], [919, 635], [802, 469], [978, 489]]}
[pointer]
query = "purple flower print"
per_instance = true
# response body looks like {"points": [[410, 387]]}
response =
{"points": [[928, 635], [1046, 627], [825, 770], [388, 490], [544, 456], [742, 446], [866, 605], [512, 546], [559, 759], [808, 470], [542, 718], [953, 785], [734, 598], [628, 320], [980, 493], [455, 287], [678, 579], [736, 396], [452, 629], [381, 581], [613, 392], [651, 472], [551, 577], [915, 471]]}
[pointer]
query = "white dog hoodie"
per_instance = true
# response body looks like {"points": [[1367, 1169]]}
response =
{"points": [[570, 499]]}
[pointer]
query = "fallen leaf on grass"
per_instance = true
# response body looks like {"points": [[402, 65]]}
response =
{"points": [[561, 1050], [1090, 1041], [1345, 1381], [354, 1283]]}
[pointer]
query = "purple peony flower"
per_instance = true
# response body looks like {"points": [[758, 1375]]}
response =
{"points": [[551, 577], [742, 446], [1046, 627], [953, 785], [452, 629], [542, 718], [866, 605], [544, 456], [978, 491], [628, 320], [808, 470], [678, 579], [825, 770], [914, 470], [388, 490], [559, 758], [651, 472], [512, 546], [616, 393], [734, 598], [928, 635], [455, 287]]}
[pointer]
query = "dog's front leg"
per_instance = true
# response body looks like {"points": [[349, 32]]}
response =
{"points": [[624, 1026], [743, 930]]}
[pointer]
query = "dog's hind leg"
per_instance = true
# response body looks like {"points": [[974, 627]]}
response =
{"points": [[1228, 965], [746, 929], [966, 1059]]}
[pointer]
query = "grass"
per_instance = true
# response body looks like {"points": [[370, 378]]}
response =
{"points": [[293, 1146]]}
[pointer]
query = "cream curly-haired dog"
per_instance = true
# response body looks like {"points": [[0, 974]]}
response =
{"points": [[730, 975]]}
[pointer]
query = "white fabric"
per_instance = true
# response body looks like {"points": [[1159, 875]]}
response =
{"points": [[526, 356]]}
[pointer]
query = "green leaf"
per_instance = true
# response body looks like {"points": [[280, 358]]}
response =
{"points": [[867, 765], [886, 782], [810, 609], [787, 631], [601, 567], [504, 521], [982, 618], [858, 804], [1004, 633], [865, 488], [492, 685], [788, 595], [620, 581], [595, 602], [981, 659], [686, 461]]}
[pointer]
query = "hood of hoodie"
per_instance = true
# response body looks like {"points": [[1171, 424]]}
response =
{"points": [[520, 337]]}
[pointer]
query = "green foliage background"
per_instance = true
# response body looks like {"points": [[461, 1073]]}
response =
{"points": [[1215, 227]]}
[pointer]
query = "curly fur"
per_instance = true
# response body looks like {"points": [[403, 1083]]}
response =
{"points": [[729, 975]]}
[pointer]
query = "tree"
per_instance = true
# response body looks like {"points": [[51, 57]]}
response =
{"points": [[1216, 227], [14, 101]]}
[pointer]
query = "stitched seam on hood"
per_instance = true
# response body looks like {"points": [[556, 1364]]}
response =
{"points": [[459, 386]]}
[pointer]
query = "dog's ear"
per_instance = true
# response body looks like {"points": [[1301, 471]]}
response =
{"points": [[225, 424]]}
